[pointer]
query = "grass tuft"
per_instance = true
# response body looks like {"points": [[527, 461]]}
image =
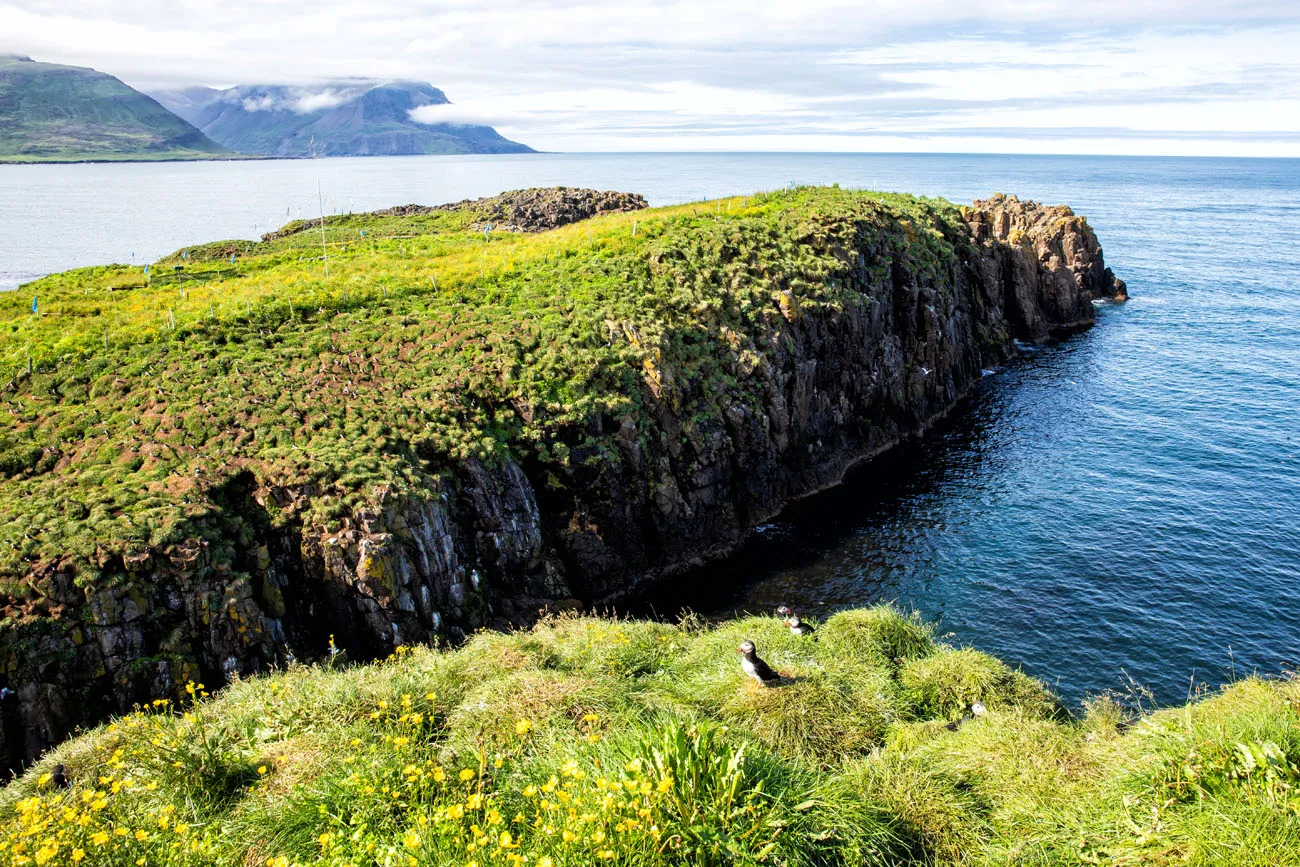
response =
{"points": [[554, 747]]}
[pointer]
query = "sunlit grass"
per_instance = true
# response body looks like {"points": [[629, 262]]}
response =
{"points": [[560, 746], [132, 400]]}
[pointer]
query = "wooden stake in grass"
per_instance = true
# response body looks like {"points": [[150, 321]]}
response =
{"points": [[634, 228], [325, 253]]}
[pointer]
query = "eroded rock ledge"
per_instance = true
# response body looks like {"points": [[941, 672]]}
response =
{"points": [[490, 545]]}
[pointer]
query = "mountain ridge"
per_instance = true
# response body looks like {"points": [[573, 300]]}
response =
{"points": [[55, 113], [346, 118]]}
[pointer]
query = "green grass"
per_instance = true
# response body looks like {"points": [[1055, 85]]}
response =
{"points": [[586, 740], [132, 399]]}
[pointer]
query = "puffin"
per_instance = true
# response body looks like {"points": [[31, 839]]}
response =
{"points": [[783, 612], [755, 667], [977, 710], [797, 626]]}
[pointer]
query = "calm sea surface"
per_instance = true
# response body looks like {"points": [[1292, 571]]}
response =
{"points": [[1125, 504]]}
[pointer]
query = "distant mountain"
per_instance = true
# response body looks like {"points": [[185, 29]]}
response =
{"points": [[53, 113], [347, 119]]}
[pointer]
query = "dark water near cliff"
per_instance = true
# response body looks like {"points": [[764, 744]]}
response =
{"points": [[1127, 501]]}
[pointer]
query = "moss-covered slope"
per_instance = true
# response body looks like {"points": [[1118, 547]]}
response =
{"points": [[54, 113], [587, 741], [210, 467]]}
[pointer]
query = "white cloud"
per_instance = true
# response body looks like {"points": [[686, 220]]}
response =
{"points": [[679, 74], [259, 103], [309, 102], [456, 115]]}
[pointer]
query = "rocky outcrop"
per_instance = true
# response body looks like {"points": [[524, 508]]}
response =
{"points": [[540, 209], [641, 496], [533, 210], [1047, 258]]}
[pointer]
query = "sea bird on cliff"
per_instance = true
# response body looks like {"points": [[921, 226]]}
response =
{"points": [[783, 612], [977, 710], [755, 667], [797, 626]]}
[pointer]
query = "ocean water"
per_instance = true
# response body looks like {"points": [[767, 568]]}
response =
{"points": [[1117, 511]]}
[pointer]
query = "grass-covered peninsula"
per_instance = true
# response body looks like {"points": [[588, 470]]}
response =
{"points": [[133, 396], [589, 741], [435, 419]]}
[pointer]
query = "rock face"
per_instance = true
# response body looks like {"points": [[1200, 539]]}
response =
{"points": [[493, 545], [1047, 258]]}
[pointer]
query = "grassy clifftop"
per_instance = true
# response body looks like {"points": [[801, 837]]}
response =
{"points": [[133, 398], [589, 740]]}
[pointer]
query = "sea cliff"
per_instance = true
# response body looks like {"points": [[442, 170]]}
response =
{"points": [[210, 469]]}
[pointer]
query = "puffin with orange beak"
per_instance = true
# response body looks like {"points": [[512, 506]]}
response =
{"points": [[797, 626], [755, 667]]}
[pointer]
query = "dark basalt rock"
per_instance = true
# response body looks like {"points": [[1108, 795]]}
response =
{"points": [[1047, 258], [533, 210]]}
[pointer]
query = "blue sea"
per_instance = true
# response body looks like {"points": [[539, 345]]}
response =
{"points": [[1117, 511]]}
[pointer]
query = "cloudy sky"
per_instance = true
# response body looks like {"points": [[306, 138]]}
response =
{"points": [[1105, 76]]}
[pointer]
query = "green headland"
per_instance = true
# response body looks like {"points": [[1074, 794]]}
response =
{"points": [[258, 460]]}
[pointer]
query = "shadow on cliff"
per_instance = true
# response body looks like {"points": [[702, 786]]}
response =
{"points": [[780, 560]]}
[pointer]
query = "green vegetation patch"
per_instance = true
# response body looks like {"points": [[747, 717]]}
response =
{"points": [[132, 399], [589, 740]]}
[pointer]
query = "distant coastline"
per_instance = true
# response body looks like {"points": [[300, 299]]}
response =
{"points": [[50, 113]]}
